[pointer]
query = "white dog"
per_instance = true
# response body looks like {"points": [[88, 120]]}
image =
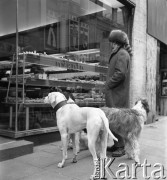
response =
{"points": [[71, 119], [128, 123]]}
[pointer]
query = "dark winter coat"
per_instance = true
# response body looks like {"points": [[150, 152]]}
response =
{"points": [[117, 82]]}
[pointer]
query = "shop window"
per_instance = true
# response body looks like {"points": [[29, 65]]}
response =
{"points": [[63, 45]]}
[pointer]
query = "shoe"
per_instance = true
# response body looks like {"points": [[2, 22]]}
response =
{"points": [[112, 148], [119, 152]]}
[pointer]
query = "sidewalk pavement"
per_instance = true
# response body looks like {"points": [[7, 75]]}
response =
{"points": [[42, 163]]}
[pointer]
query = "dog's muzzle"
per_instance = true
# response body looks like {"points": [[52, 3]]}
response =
{"points": [[46, 100]]}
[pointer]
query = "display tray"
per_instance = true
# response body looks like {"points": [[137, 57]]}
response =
{"points": [[40, 104], [19, 134], [63, 83], [42, 130], [63, 63]]}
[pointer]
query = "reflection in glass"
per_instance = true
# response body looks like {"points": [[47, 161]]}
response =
{"points": [[66, 44]]}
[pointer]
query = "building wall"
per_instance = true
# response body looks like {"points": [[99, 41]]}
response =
{"points": [[151, 73], [143, 65], [138, 64]]}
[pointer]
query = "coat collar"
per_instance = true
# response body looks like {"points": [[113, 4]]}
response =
{"points": [[114, 52]]}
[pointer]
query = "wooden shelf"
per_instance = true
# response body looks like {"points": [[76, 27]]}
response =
{"points": [[41, 105], [24, 133], [53, 83], [81, 104], [63, 83], [47, 60]]}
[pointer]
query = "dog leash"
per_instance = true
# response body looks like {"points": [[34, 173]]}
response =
{"points": [[59, 105]]}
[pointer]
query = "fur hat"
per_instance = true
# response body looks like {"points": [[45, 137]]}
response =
{"points": [[118, 36]]}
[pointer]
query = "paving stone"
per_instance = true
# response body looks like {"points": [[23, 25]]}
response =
{"points": [[42, 164], [156, 152], [14, 149], [49, 175], [40, 159], [58, 143], [5, 140], [50, 149], [152, 143], [153, 135], [14, 170], [83, 168], [141, 175], [152, 159]]}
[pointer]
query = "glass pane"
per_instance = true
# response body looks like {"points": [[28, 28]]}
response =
{"points": [[63, 44], [7, 51], [55, 26], [76, 30]]}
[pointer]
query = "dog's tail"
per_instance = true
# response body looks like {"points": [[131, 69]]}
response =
{"points": [[106, 124]]}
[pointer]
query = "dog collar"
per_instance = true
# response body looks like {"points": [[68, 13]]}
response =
{"points": [[59, 105]]}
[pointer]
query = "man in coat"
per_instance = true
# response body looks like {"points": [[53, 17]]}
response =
{"points": [[117, 81]]}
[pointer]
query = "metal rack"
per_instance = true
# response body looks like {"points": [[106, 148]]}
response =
{"points": [[44, 60]]}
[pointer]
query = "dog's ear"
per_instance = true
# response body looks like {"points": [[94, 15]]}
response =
{"points": [[52, 99], [145, 105], [66, 94]]}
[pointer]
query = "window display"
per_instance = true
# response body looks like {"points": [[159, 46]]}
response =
{"points": [[62, 44]]}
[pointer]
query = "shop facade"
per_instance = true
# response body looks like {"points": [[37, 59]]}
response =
{"points": [[64, 45], [149, 43]]}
